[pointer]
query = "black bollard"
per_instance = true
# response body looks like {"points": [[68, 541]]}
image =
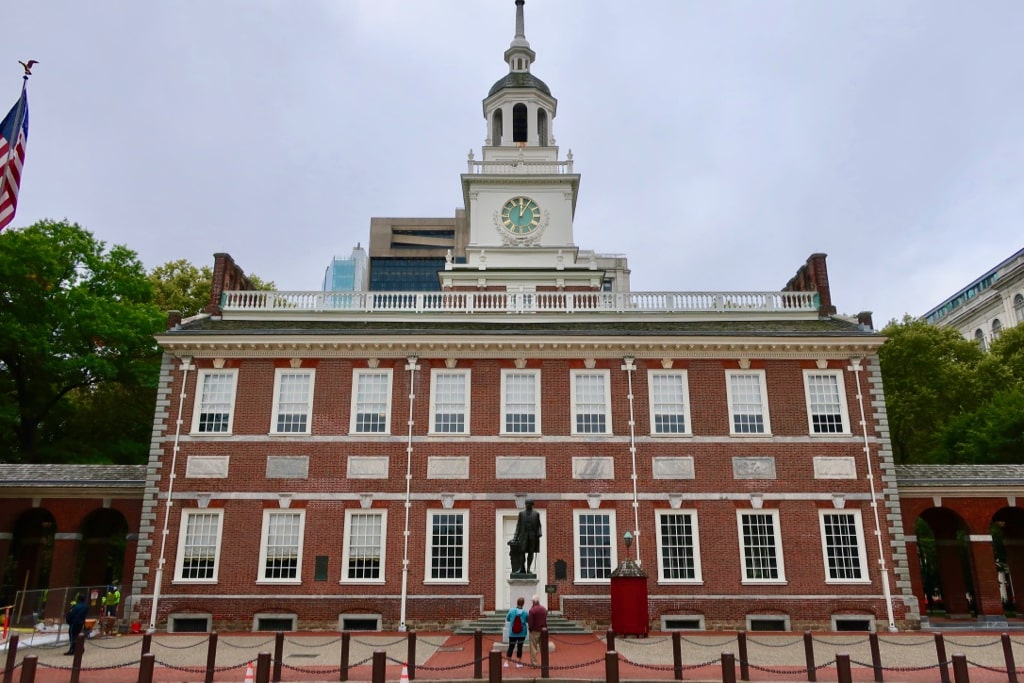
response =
{"points": [[211, 657], [146, 668], [1011, 668], [76, 661], [545, 654], [960, 673], [28, 669], [147, 642], [843, 673], [278, 655], [611, 667], [940, 652], [741, 639], [263, 667], [410, 658], [610, 641], [494, 667], [677, 655], [343, 674], [728, 667], [812, 670], [876, 657], [12, 657], [379, 666], [478, 654]]}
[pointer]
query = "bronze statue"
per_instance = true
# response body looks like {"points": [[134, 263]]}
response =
{"points": [[525, 542]]}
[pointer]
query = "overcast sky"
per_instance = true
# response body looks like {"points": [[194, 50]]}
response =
{"points": [[719, 143]]}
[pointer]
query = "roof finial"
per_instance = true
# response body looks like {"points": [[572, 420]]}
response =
{"points": [[519, 55], [520, 21]]}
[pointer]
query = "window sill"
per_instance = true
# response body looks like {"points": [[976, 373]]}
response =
{"points": [[831, 435], [764, 582], [752, 435], [446, 582], [278, 582], [362, 582], [278, 435], [449, 435], [370, 435], [680, 582], [847, 582], [592, 582], [208, 435], [521, 435], [194, 582]]}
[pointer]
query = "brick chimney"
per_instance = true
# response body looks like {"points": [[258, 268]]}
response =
{"points": [[227, 277], [864, 320], [173, 319], [813, 277]]}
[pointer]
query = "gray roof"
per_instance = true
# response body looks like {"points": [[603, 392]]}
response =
{"points": [[519, 79], [127, 476], [830, 327], [964, 475]]}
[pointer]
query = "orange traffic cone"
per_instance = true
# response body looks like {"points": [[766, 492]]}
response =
{"points": [[248, 673], [405, 674]]}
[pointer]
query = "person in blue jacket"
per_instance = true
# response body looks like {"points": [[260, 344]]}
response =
{"points": [[76, 620], [517, 631]]}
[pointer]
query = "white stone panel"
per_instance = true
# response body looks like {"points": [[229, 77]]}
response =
{"points": [[520, 467], [368, 467], [830, 467], [207, 467], [673, 468], [288, 467], [756, 467], [593, 468], [448, 467]]}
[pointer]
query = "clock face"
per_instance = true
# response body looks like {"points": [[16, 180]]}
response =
{"points": [[520, 215]]}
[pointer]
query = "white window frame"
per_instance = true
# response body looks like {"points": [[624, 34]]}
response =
{"points": [[505, 373], [697, 575], [347, 546], [577, 546], [862, 566], [261, 572], [463, 568], [278, 374], [197, 409], [467, 384], [186, 515], [763, 388], [651, 379], [841, 391], [780, 565], [353, 421], [605, 375]]}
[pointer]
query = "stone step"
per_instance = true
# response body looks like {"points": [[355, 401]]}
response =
{"points": [[494, 622]]}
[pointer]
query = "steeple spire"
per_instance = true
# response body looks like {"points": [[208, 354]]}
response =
{"points": [[519, 55]]}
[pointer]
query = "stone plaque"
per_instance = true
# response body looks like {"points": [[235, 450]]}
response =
{"points": [[520, 467], [448, 467], [756, 467], [368, 467], [593, 468], [673, 468], [288, 467], [831, 467], [207, 467]]}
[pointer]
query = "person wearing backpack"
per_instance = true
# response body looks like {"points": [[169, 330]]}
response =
{"points": [[517, 631]]}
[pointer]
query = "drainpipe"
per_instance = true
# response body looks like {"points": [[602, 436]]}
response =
{"points": [[882, 569], [186, 365], [412, 368], [629, 368]]}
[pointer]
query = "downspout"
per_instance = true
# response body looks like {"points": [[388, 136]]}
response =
{"points": [[629, 368], [412, 368], [883, 570], [186, 365]]}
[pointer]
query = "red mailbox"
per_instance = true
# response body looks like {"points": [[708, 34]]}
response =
{"points": [[629, 600]]}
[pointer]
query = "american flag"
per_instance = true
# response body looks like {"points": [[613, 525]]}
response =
{"points": [[13, 136]]}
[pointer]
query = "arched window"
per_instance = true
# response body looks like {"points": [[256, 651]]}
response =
{"points": [[520, 125], [496, 131], [1018, 307], [542, 127], [997, 327], [979, 337]]}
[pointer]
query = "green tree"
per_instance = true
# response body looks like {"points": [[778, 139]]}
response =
{"points": [[181, 286], [76, 318], [991, 434], [932, 375]]}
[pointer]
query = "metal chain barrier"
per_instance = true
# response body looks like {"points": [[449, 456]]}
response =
{"points": [[770, 670], [314, 672], [122, 646], [645, 641], [843, 644], [700, 644], [905, 669], [903, 642], [988, 668], [368, 644], [452, 667], [157, 643], [825, 665], [798, 641], [58, 667], [950, 641], [299, 643], [241, 646]]}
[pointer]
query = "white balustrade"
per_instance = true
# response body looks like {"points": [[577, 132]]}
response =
{"points": [[513, 302], [519, 166]]}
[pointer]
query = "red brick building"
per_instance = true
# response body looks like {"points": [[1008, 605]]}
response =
{"points": [[331, 458]]}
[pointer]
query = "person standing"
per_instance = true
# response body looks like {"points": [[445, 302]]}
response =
{"points": [[517, 618], [537, 620], [76, 620], [111, 600]]}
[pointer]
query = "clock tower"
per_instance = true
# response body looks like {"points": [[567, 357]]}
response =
{"points": [[520, 196]]}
